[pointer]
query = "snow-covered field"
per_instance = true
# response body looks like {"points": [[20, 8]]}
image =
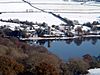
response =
{"points": [[73, 11], [11, 25]]}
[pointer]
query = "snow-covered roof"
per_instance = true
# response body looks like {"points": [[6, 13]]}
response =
{"points": [[57, 32], [85, 28], [36, 26], [77, 26]]}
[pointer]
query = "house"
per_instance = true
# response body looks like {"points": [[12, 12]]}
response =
{"points": [[85, 28], [57, 33], [36, 26]]}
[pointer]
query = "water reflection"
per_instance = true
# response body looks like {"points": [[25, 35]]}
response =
{"points": [[71, 48], [77, 41]]}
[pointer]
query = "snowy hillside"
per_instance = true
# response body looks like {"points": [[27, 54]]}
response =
{"points": [[22, 11]]}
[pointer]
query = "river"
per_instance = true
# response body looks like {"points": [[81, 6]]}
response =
{"points": [[76, 48]]}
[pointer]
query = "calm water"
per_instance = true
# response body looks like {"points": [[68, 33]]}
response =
{"points": [[66, 49]]}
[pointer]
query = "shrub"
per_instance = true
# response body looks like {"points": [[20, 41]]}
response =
{"points": [[36, 58], [3, 50], [65, 69], [6, 42], [9, 66], [90, 60], [45, 69], [78, 66]]}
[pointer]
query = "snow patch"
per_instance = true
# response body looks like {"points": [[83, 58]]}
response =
{"points": [[10, 25], [95, 71]]}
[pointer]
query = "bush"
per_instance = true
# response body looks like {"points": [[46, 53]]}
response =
{"points": [[6, 42], [36, 58], [3, 50], [9, 66], [46, 69], [65, 69], [78, 66], [92, 61], [87, 58]]}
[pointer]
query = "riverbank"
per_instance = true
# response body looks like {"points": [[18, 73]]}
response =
{"points": [[57, 38]]}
